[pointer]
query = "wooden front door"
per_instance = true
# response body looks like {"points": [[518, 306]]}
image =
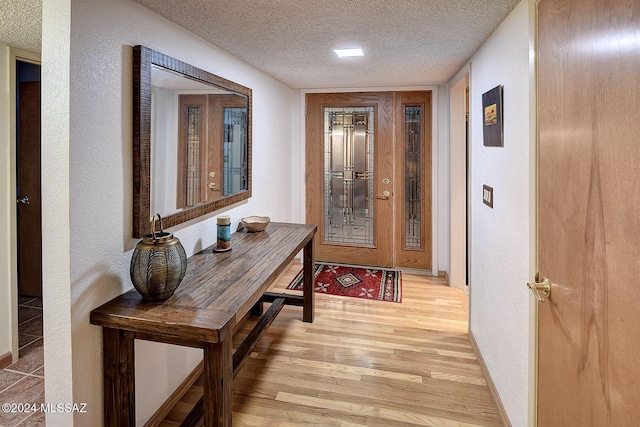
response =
{"points": [[28, 191], [589, 212], [368, 179]]}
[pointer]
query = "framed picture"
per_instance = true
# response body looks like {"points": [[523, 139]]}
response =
{"points": [[492, 128]]}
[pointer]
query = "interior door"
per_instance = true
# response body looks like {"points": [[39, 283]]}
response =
{"points": [[349, 176], [28, 191], [589, 212]]}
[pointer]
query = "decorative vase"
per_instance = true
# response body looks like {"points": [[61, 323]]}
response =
{"points": [[159, 264], [223, 233]]}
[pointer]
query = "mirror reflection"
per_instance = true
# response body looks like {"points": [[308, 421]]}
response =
{"points": [[198, 142], [191, 141]]}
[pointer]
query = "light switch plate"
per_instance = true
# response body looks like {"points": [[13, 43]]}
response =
{"points": [[487, 195]]}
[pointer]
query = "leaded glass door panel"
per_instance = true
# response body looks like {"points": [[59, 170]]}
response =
{"points": [[349, 140]]}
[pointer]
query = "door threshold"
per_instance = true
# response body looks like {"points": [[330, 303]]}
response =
{"points": [[417, 271]]}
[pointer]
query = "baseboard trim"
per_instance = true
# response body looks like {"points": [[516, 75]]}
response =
{"points": [[445, 274], [5, 360], [166, 407], [490, 383]]}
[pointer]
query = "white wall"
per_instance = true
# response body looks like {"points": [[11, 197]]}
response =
{"points": [[502, 238], [87, 141], [56, 289], [164, 134], [458, 180]]}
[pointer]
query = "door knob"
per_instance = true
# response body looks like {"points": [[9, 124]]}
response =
{"points": [[384, 196], [23, 201], [540, 289]]}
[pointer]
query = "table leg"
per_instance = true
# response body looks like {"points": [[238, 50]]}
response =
{"points": [[308, 266], [257, 309], [218, 383], [119, 378]]}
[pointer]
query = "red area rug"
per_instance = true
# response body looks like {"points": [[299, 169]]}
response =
{"points": [[357, 282]]}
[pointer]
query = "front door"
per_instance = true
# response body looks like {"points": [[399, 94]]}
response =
{"points": [[368, 176], [589, 212]]}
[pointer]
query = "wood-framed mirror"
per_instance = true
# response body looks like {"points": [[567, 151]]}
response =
{"points": [[191, 141]]}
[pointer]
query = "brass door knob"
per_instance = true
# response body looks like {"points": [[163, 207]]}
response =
{"points": [[540, 290], [384, 196]]}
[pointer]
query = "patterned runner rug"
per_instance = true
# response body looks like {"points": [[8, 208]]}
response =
{"points": [[358, 282]]}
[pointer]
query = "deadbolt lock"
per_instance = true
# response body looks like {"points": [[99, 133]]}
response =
{"points": [[386, 181]]}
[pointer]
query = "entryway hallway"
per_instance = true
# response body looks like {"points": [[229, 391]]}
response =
{"points": [[363, 363]]}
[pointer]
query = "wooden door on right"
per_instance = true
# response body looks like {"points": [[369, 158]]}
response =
{"points": [[589, 212]]}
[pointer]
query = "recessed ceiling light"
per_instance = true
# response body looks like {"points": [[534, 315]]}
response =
{"points": [[343, 53]]}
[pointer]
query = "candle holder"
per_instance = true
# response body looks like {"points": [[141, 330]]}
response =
{"points": [[158, 264], [223, 233]]}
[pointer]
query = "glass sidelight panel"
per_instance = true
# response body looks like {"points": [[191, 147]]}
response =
{"points": [[413, 177], [235, 153], [193, 156], [348, 175]]}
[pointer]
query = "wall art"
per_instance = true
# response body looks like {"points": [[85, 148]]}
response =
{"points": [[492, 126]]}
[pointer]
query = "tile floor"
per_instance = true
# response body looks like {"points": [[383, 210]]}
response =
{"points": [[23, 381]]}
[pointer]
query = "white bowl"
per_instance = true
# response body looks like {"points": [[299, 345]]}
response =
{"points": [[254, 224]]}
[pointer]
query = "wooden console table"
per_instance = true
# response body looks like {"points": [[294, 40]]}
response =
{"points": [[218, 290]]}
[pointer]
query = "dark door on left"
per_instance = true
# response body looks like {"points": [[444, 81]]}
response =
{"points": [[28, 159]]}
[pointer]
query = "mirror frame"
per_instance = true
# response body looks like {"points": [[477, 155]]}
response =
{"points": [[143, 59]]}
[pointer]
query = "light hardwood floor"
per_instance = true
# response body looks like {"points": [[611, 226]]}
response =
{"points": [[363, 363]]}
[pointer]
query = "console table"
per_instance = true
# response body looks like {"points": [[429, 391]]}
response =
{"points": [[218, 290]]}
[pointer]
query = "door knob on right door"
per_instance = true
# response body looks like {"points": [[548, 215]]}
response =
{"points": [[541, 290]]}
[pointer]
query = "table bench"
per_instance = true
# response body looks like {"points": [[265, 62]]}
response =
{"points": [[218, 290]]}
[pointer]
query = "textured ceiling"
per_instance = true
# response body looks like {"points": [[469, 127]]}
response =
{"points": [[406, 42], [21, 24]]}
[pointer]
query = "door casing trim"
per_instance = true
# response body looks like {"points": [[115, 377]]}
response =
{"points": [[34, 58]]}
